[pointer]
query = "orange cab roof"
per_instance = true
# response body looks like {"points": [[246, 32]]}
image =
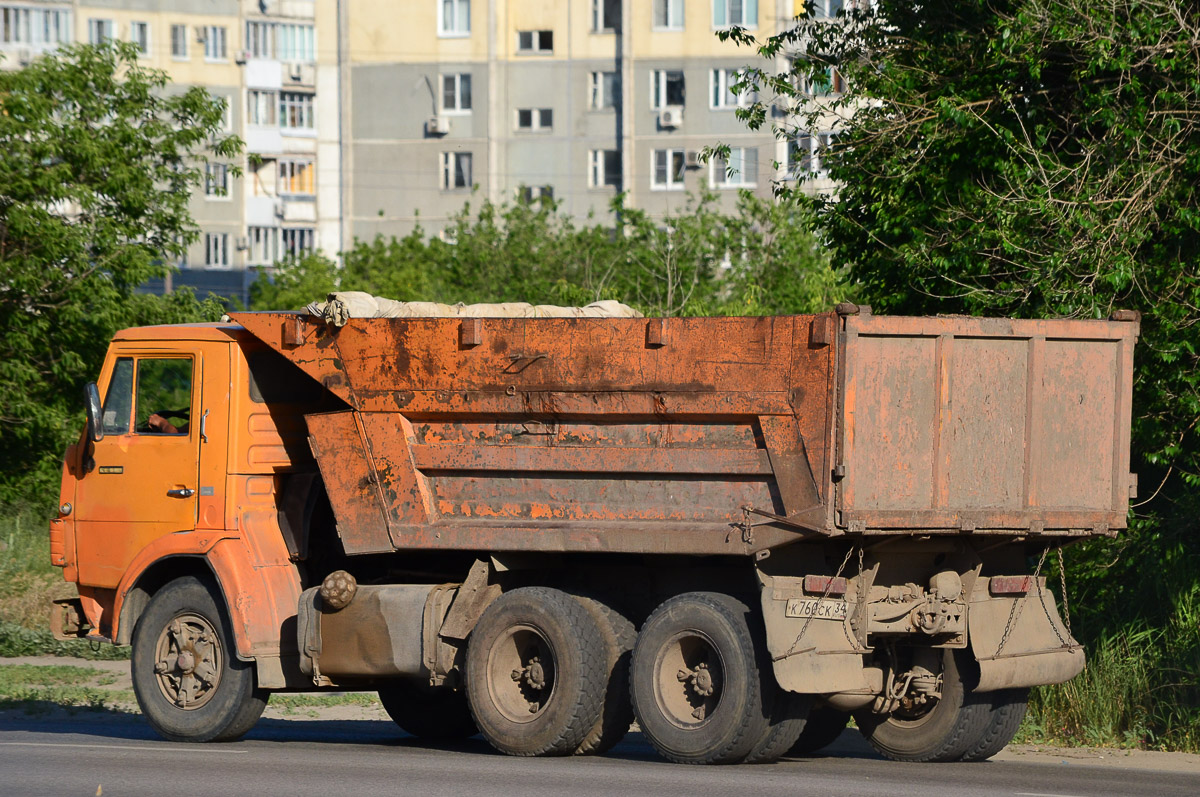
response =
{"points": [[210, 331]]}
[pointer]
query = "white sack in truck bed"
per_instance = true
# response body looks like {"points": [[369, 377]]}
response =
{"points": [[341, 306]]}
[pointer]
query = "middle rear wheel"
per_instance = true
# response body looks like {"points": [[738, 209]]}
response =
{"points": [[535, 672], [428, 712]]}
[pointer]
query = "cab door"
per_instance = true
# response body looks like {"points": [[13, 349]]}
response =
{"points": [[142, 481]]}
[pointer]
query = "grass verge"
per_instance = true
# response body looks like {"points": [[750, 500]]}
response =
{"points": [[38, 689]]}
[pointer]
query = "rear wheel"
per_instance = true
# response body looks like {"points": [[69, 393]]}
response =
{"points": [[696, 680], [1007, 710], [428, 712], [535, 672], [823, 728], [186, 676], [944, 729], [789, 717], [616, 714]]}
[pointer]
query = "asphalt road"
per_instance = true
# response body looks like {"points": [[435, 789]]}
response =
{"points": [[121, 756]]}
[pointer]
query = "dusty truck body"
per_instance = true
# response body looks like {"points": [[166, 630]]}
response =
{"points": [[739, 529]]}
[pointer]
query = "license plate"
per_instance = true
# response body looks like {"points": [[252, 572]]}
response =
{"points": [[811, 607]]}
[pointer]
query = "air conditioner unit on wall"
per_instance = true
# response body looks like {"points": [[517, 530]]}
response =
{"points": [[280, 208], [437, 126], [201, 34], [691, 159], [243, 243], [670, 116], [242, 57]]}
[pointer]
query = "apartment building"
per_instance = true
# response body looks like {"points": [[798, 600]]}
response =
{"points": [[368, 117]]}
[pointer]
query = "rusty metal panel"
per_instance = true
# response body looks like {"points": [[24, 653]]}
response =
{"points": [[350, 481], [985, 424]]}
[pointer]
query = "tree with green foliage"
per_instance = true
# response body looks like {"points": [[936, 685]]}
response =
{"points": [[695, 261], [100, 158], [1035, 158]]}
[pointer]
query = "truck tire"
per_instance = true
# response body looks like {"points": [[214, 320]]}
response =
{"points": [[188, 680], [1007, 711], [428, 712], [616, 713], [944, 731], [696, 679], [823, 728], [535, 672], [789, 716]]}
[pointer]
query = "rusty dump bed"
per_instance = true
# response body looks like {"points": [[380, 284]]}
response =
{"points": [[713, 435]]}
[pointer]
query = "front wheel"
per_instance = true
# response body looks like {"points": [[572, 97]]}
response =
{"points": [[187, 678]]}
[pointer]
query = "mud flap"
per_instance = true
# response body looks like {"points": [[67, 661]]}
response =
{"points": [[1020, 641], [819, 658]]}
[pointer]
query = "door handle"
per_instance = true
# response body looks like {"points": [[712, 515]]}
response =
{"points": [[183, 492]]}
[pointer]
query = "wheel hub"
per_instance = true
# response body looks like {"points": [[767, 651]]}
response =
{"points": [[188, 661], [521, 673], [690, 679]]}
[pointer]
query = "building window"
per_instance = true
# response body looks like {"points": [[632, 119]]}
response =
{"points": [[38, 28], [668, 170], [535, 193], [456, 92], [743, 13], [454, 17], [179, 41], [721, 93], [214, 43], [807, 153], [216, 250], [666, 88], [262, 108], [827, 9], [535, 41], [296, 178], [282, 41], [263, 247], [139, 34], [605, 87], [535, 118], [668, 14], [100, 31], [822, 82], [296, 111], [740, 170], [606, 16], [216, 179], [456, 170], [298, 241], [604, 168]]}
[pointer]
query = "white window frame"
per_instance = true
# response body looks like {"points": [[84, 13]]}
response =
{"points": [[452, 85], [810, 162], [596, 168], [827, 9], [536, 42], [598, 20], [101, 30], [450, 163], [541, 120], [718, 175], [297, 241], [720, 98], [39, 29], [216, 182], [658, 88], [215, 35], [596, 91], [674, 182], [179, 36], [263, 246], [674, 14], [723, 14], [460, 25], [143, 46], [306, 102], [531, 194], [216, 250], [289, 169]]}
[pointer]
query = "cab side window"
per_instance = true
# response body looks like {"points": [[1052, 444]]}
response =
{"points": [[164, 396], [118, 401]]}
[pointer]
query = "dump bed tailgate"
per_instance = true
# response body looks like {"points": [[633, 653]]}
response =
{"points": [[971, 424]]}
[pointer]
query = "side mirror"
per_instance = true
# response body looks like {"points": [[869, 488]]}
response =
{"points": [[95, 423]]}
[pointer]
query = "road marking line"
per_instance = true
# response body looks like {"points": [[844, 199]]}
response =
{"points": [[164, 748], [1039, 794]]}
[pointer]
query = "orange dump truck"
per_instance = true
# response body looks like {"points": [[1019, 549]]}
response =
{"points": [[739, 531]]}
